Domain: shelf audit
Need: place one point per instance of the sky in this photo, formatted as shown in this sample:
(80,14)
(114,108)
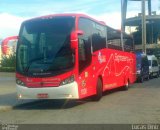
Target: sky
(14,12)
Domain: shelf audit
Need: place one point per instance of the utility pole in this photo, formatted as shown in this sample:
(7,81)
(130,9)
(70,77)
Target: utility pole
(143,27)
(122,28)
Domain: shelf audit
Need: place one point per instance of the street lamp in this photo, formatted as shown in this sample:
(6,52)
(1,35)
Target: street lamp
(143,27)
(122,28)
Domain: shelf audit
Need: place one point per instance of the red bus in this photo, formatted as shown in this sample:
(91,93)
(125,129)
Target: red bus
(9,45)
(71,56)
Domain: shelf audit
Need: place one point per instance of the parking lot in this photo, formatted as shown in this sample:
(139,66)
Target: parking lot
(140,104)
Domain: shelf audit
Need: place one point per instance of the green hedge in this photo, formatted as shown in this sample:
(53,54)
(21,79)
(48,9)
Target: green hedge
(7,69)
(8,63)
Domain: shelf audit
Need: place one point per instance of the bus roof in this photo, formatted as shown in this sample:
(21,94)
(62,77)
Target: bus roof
(68,14)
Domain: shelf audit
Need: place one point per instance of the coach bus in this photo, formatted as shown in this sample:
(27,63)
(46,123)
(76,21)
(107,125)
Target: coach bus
(8,45)
(71,56)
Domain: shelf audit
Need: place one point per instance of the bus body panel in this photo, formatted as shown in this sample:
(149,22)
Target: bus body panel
(113,66)
(42,82)
(69,91)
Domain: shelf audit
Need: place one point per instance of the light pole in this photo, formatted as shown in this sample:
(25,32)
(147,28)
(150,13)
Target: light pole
(122,28)
(143,27)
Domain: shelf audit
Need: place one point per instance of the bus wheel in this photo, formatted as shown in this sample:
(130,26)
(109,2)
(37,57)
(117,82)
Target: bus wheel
(99,89)
(126,86)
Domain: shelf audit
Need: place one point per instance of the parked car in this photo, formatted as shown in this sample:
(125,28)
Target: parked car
(142,67)
(153,66)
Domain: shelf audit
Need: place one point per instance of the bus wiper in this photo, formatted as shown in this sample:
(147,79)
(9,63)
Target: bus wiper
(30,63)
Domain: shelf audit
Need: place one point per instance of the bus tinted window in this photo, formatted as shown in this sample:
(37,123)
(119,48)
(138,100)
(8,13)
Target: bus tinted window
(98,37)
(113,39)
(85,42)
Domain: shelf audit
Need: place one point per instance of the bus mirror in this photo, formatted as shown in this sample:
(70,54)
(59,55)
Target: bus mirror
(79,32)
(74,38)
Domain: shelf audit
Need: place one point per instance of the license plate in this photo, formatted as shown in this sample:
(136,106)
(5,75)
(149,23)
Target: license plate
(42,95)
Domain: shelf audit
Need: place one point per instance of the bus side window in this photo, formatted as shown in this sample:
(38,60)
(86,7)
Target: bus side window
(81,47)
(98,37)
(113,39)
(85,43)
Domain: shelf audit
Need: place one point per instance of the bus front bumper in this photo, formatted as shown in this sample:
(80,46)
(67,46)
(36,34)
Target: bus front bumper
(68,91)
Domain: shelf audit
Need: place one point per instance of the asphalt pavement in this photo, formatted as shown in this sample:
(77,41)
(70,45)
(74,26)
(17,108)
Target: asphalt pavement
(8,97)
(140,104)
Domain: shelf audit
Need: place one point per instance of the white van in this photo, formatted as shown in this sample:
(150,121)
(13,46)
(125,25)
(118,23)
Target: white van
(153,66)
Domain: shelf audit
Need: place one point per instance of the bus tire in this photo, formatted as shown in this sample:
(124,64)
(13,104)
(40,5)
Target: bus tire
(99,88)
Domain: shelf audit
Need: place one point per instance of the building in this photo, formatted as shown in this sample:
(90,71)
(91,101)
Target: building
(134,27)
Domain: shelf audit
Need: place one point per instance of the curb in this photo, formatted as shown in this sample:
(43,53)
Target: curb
(5,108)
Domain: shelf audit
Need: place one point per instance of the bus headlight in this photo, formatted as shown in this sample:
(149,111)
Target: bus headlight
(68,80)
(19,82)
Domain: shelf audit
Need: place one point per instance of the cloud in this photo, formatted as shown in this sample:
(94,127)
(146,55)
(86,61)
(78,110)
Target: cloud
(38,7)
(9,24)
(111,19)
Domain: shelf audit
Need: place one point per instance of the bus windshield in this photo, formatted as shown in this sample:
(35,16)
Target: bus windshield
(44,46)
